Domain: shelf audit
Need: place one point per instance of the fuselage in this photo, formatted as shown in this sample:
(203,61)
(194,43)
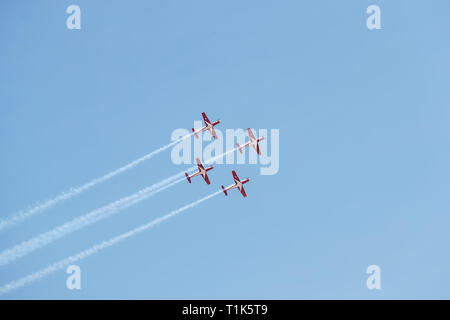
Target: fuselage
(237,184)
(208,126)
(199,172)
(252,142)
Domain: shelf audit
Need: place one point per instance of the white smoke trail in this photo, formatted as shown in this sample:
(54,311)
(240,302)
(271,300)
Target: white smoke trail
(9,255)
(26,247)
(211,160)
(96,248)
(21,216)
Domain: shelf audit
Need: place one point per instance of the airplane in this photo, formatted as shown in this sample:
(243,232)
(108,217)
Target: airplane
(201,171)
(208,126)
(253,142)
(237,184)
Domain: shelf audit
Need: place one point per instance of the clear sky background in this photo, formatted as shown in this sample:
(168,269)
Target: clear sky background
(364,145)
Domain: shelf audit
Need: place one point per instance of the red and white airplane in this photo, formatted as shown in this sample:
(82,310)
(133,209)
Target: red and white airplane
(201,171)
(208,126)
(237,184)
(253,142)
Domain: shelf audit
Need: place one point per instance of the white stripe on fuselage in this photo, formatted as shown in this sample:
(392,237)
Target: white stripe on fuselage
(201,172)
(252,142)
(208,126)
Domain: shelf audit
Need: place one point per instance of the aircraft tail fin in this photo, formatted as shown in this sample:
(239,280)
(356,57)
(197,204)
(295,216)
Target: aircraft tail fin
(224,190)
(239,147)
(195,133)
(187,177)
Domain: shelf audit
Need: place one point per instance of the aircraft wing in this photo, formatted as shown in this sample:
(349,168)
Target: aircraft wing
(243,191)
(205,118)
(206,178)
(257,149)
(199,164)
(235,176)
(250,134)
(213,133)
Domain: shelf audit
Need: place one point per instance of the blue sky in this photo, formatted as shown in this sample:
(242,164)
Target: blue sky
(363,118)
